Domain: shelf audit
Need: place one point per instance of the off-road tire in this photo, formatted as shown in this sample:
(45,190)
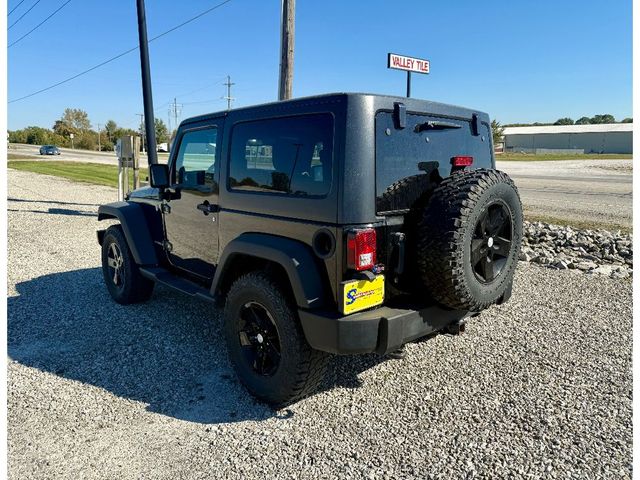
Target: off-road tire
(445,233)
(301,369)
(405,191)
(134,288)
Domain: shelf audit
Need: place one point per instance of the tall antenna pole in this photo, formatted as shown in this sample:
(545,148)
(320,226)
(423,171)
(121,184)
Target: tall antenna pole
(229,98)
(287,35)
(152,155)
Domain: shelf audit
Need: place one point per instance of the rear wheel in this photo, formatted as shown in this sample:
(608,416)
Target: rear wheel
(121,273)
(469,239)
(266,344)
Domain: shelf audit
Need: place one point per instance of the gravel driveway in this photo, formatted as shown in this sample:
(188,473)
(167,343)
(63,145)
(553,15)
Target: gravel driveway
(538,388)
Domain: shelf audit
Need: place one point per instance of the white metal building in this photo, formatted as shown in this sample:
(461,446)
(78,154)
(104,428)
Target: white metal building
(598,138)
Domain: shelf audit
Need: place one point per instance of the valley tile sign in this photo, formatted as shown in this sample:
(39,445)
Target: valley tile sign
(409,64)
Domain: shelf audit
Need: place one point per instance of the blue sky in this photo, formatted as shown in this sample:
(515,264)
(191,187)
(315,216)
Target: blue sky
(520,61)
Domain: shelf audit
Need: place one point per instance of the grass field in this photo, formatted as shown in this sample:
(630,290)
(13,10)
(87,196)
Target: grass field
(81,172)
(529,157)
(17,156)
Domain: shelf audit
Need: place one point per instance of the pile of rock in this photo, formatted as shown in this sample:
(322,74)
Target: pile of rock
(598,252)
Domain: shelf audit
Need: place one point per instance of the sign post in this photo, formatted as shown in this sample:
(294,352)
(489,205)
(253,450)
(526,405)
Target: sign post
(408,64)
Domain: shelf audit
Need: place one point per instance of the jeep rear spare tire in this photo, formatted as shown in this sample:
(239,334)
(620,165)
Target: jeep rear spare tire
(469,239)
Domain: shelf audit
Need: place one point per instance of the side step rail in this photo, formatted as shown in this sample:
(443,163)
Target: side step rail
(182,285)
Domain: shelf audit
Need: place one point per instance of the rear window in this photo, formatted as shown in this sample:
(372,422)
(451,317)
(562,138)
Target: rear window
(399,153)
(290,155)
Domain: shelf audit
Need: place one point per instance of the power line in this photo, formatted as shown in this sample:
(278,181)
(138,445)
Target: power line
(22,16)
(12,10)
(34,28)
(120,54)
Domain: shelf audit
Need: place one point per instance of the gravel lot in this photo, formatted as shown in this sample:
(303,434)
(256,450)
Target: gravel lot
(538,388)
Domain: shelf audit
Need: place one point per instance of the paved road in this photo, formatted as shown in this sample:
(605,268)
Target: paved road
(594,191)
(537,388)
(74,155)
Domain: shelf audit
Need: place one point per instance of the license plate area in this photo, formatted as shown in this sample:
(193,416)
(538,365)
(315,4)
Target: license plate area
(359,295)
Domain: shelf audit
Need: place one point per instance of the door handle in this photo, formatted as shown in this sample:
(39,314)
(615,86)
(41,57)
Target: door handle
(207,208)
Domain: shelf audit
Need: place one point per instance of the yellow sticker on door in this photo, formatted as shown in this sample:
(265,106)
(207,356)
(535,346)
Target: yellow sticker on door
(362,294)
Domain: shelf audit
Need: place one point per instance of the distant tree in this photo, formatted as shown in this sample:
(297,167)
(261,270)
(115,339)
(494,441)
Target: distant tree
(604,118)
(583,121)
(32,135)
(87,140)
(121,132)
(564,121)
(162,133)
(18,136)
(63,128)
(111,127)
(627,120)
(76,118)
(497,130)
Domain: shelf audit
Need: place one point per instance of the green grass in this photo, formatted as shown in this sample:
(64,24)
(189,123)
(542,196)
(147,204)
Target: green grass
(17,156)
(530,157)
(94,173)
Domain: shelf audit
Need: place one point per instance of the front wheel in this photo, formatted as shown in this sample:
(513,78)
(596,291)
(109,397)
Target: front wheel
(266,344)
(121,273)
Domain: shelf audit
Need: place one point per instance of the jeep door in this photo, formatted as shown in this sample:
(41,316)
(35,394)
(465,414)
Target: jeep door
(191,224)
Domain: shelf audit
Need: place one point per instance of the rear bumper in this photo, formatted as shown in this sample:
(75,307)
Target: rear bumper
(381,330)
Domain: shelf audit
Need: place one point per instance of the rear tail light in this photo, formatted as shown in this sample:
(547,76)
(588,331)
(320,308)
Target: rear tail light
(361,249)
(461,161)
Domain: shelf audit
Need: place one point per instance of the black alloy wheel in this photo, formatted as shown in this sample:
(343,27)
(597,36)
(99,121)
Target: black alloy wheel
(258,337)
(491,242)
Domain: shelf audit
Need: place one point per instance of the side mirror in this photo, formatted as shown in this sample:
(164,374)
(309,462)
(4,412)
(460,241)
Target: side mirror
(159,176)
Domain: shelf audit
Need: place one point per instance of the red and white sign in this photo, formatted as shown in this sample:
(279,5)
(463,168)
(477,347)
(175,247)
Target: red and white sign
(410,64)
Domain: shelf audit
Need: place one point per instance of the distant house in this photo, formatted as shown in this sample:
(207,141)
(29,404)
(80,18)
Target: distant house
(598,138)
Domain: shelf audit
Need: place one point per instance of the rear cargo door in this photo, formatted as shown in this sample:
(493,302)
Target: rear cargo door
(424,146)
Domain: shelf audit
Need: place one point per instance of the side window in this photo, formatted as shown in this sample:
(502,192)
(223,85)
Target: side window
(290,155)
(196,160)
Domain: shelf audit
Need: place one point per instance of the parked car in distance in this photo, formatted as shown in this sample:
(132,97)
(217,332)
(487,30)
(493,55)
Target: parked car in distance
(49,150)
(163,147)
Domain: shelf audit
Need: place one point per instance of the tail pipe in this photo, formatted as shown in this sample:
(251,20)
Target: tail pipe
(149,122)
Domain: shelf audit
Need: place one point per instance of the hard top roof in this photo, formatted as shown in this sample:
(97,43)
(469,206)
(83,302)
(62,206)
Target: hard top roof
(413,104)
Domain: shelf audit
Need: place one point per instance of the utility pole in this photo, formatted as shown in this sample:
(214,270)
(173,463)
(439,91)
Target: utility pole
(176,109)
(99,146)
(228,98)
(141,129)
(287,36)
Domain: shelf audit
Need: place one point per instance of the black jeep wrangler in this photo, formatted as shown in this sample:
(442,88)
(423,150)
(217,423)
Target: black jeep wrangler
(336,224)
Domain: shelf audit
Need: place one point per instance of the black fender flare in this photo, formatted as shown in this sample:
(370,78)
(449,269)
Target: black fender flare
(135,228)
(296,258)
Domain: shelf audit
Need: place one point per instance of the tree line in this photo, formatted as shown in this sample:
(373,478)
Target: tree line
(596,119)
(76,122)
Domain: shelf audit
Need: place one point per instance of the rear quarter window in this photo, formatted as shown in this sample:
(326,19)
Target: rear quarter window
(291,156)
(399,152)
